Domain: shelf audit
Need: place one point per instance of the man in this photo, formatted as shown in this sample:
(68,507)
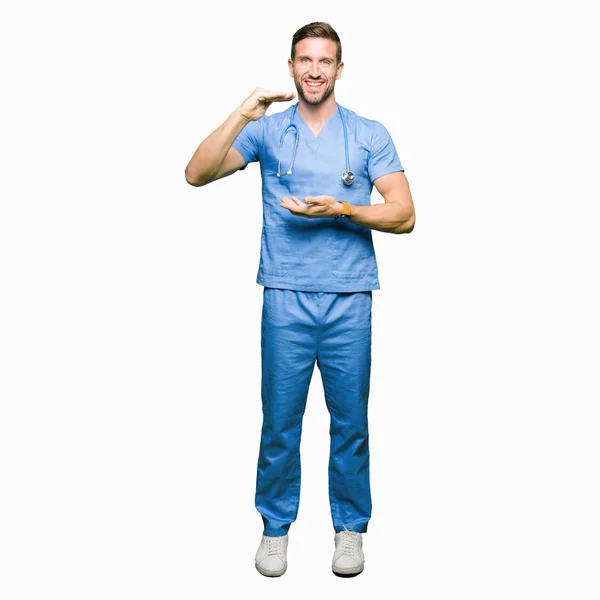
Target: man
(318,269)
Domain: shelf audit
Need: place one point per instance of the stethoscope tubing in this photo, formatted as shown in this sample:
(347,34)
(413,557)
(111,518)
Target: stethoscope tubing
(291,125)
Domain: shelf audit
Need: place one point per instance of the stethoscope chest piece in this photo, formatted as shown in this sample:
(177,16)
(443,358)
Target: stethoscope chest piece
(348,177)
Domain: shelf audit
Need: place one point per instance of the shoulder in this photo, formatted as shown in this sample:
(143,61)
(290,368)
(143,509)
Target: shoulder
(369,128)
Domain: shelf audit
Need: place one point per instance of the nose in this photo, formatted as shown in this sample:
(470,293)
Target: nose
(314,70)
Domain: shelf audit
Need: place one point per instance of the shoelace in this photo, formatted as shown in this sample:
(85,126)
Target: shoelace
(274,545)
(349,541)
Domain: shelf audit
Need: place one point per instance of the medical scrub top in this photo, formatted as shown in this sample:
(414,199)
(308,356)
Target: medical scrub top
(322,254)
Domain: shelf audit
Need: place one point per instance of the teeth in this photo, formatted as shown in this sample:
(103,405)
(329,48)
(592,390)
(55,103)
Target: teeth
(314,84)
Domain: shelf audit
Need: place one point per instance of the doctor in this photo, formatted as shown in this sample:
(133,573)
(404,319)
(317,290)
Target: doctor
(319,162)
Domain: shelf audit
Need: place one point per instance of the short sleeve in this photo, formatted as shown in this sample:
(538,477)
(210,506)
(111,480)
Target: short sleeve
(383,158)
(249,140)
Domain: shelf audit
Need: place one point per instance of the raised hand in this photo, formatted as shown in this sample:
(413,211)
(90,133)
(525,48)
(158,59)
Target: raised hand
(256,104)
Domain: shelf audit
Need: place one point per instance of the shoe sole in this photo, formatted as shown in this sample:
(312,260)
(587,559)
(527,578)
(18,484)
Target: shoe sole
(270,573)
(348,571)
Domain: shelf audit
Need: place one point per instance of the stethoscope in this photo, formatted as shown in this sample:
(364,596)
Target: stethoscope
(347,175)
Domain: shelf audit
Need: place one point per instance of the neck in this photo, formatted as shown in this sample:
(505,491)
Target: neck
(316,115)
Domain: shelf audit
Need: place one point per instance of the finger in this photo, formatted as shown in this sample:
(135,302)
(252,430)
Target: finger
(284,97)
(296,200)
(290,205)
(276,96)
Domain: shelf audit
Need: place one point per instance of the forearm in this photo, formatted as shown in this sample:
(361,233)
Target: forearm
(389,217)
(211,153)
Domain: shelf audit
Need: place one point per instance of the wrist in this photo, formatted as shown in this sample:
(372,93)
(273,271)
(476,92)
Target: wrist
(241,116)
(344,210)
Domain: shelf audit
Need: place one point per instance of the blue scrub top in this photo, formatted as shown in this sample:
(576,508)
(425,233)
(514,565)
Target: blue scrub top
(322,254)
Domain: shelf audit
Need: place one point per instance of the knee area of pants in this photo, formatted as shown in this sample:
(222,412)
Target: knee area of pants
(282,425)
(351,425)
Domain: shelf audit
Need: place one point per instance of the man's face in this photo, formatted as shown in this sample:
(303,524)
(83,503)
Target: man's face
(315,62)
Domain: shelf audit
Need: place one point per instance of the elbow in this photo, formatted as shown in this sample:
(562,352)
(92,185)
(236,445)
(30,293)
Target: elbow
(189,178)
(406,226)
(193,180)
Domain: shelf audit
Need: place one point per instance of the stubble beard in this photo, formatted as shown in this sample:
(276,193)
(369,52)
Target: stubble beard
(314,99)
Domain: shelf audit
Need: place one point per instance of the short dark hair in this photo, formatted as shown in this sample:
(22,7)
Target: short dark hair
(317,29)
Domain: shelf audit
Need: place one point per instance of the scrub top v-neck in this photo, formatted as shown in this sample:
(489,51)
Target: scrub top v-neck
(322,254)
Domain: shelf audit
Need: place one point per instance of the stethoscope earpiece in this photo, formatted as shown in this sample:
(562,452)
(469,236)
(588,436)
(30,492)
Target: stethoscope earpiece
(347,175)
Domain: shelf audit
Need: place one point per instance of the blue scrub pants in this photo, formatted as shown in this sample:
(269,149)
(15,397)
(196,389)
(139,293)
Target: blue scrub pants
(333,329)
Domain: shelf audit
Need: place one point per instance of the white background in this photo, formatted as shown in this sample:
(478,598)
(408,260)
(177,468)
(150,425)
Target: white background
(130,320)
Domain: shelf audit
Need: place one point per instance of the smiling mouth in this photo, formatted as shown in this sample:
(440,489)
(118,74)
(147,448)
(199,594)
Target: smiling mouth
(315,85)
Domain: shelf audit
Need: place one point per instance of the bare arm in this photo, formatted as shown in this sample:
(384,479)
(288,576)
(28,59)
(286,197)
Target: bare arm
(215,158)
(397,215)
(216,152)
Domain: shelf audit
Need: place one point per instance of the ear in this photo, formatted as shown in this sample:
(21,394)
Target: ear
(340,68)
(291,67)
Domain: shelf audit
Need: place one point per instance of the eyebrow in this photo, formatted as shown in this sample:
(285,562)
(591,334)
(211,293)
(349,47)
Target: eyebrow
(322,57)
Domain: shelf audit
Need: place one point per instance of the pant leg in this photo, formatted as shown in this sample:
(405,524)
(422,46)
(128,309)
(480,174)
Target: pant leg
(344,360)
(288,349)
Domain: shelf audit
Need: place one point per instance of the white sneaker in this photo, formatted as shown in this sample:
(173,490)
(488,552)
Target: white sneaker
(348,558)
(271,556)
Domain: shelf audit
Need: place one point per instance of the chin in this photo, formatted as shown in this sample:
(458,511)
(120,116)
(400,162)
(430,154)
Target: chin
(314,100)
